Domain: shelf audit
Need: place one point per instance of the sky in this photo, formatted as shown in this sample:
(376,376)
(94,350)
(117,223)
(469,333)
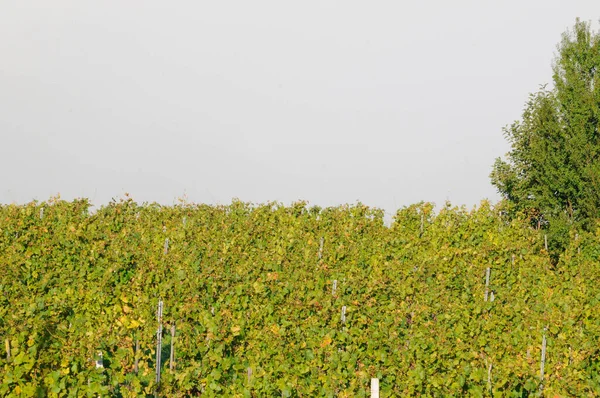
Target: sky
(387,103)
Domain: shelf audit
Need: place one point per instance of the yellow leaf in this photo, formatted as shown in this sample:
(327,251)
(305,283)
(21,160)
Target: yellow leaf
(133,324)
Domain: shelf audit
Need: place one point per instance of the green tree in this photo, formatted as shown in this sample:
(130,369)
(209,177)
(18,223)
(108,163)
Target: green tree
(552,172)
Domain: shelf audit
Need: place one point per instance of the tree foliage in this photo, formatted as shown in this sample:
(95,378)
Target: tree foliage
(553,168)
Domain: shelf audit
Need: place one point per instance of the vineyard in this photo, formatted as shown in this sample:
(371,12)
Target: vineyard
(293,301)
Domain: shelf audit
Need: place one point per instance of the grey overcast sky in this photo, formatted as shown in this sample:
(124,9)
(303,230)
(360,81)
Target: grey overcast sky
(383,102)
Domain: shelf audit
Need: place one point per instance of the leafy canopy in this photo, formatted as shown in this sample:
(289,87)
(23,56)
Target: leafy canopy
(552,172)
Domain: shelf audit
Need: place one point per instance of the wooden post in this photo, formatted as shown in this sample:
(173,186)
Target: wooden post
(489,378)
(7,345)
(344,314)
(374,388)
(546,242)
(99,361)
(136,355)
(543,360)
(334,288)
(166,245)
(321,248)
(422,223)
(249,375)
(159,314)
(172,358)
(41,213)
(487,283)
(570,355)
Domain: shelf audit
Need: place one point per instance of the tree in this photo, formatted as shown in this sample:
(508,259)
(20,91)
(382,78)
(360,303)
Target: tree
(552,171)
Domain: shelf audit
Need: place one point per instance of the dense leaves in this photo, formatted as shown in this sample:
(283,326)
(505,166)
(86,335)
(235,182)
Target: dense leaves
(553,168)
(250,290)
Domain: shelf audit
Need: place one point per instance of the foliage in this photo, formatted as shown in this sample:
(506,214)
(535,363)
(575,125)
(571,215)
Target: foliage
(553,168)
(248,287)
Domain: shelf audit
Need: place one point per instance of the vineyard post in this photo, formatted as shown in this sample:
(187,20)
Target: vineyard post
(7,344)
(334,288)
(159,314)
(344,314)
(374,388)
(546,242)
(99,361)
(422,222)
(41,213)
(249,374)
(136,355)
(487,283)
(321,248)
(543,360)
(489,378)
(184,220)
(570,355)
(166,245)
(172,357)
